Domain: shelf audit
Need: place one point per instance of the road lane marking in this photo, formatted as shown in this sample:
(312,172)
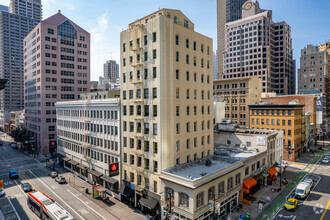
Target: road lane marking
(28,181)
(56,194)
(20,189)
(14,208)
(326,209)
(87,205)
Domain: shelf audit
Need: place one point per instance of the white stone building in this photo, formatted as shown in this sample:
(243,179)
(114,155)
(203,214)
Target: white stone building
(89,138)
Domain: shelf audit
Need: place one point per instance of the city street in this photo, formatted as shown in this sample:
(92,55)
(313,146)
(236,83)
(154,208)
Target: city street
(315,206)
(34,172)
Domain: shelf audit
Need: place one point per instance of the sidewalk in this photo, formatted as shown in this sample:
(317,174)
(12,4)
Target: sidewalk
(114,207)
(273,200)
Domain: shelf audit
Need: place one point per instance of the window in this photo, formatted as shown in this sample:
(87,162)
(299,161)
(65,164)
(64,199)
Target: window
(155,130)
(154,54)
(183,200)
(211,193)
(177,56)
(145,39)
(176,39)
(289,132)
(186,24)
(199,199)
(247,171)
(221,187)
(187,43)
(154,72)
(154,36)
(237,179)
(155,186)
(289,122)
(283,122)
(230,183)
(154,92)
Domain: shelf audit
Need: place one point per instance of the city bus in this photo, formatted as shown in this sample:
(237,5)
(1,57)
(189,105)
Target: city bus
(46,208)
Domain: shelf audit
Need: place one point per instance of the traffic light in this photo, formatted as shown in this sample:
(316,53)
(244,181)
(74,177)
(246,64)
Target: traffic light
(113,169)
(52,147)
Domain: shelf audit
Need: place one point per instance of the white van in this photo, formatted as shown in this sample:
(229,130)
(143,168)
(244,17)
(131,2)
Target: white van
(302,190)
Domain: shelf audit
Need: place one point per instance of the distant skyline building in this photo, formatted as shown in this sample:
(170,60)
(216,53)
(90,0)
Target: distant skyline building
(100,80)
(110,71)
(60,71)
(227,11)
(257,46)
(215,65)
(15,23)
(27,8)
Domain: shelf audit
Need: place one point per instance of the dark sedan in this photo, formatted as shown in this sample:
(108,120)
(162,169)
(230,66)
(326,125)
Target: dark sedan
(26,187)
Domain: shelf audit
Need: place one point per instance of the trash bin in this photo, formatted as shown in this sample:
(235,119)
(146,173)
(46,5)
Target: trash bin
(86,190)
(247,216)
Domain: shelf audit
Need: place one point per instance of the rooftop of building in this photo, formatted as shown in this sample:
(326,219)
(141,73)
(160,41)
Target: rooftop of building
(270,105)
(211,166)
(59,18)
(79,103)
(247,131)
(234,80)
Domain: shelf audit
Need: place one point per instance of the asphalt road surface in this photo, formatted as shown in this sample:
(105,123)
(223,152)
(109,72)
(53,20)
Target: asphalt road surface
(316,205)
(34,172)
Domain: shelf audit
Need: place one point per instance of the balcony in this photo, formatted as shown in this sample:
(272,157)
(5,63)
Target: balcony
(137,63)
(136,81)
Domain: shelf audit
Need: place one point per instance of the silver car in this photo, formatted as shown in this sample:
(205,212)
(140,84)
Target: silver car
(325,160)
(60,179)
(53,174)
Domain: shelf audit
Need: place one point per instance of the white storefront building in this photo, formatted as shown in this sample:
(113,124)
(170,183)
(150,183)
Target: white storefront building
(88,139)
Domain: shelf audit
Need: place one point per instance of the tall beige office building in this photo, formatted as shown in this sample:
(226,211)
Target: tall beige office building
(257,46)
(166,82)
(227,11)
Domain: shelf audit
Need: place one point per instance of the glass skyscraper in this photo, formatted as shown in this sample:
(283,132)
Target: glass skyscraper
(15,24)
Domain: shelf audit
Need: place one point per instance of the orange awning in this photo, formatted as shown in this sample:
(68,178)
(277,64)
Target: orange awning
(249,183)
(272,171)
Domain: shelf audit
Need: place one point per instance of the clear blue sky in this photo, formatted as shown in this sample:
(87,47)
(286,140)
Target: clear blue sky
(105,19)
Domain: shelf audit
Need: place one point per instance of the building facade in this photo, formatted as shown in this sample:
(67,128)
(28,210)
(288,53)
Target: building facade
(110,71)
(167,102)
(88,138)
(257,46)
(288,118)
(309,102)
(27,8)
(227,11)
(15,25)
(57,68)
(238,95)
(314,78)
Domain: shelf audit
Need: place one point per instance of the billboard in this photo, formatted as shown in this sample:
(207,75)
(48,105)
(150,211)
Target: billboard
(319,103)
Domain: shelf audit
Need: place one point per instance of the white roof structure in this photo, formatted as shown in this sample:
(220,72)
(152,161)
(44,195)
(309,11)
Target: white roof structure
(57,212)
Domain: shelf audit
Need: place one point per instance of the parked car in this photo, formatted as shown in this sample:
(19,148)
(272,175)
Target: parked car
(60,179)
(26,187)
(2,192)
(13,174)
(53,174)
(302,190)
(14,146)
(325,160)
(291,204)
(309,181)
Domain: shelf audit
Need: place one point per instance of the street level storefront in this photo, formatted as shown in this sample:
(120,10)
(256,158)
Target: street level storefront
(110,183)
(126,192)
(83,171)
(66,162)
(149,204)
(94,177)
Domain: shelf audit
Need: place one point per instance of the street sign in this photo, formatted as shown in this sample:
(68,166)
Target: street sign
(265,173)
(113,169)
